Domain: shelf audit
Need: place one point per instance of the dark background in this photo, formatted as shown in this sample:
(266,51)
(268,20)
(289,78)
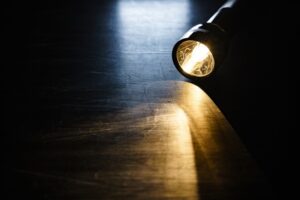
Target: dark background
(250,87)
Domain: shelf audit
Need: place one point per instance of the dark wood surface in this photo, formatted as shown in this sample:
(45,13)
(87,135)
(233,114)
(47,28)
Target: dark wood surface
(168,140)
(102,112)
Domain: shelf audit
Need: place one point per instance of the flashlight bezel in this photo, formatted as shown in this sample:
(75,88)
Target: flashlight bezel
(213,37)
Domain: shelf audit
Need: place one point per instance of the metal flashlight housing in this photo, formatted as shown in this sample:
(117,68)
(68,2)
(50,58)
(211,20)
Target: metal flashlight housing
(202,49)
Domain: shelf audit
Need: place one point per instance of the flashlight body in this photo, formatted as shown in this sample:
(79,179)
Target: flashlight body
(227,16)
(215,34)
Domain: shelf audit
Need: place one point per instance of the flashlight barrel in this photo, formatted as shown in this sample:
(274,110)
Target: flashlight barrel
(215,34)
(227,16)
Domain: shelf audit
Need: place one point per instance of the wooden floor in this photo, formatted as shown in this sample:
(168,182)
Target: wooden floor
(105,114)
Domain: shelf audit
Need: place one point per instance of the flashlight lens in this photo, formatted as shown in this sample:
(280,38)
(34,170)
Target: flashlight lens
(195,58)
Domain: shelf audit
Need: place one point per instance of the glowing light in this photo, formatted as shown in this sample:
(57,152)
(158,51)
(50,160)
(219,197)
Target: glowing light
(195,58)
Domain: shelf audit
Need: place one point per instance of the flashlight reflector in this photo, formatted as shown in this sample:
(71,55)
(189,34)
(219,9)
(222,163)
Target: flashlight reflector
(195,58)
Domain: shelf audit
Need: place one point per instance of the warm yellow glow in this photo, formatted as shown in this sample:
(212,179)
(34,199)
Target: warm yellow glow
(195,58)
(173,143)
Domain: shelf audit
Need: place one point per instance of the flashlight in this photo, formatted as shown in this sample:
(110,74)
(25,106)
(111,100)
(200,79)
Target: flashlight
(202,49)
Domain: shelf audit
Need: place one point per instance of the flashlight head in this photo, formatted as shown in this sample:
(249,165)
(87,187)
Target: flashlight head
(200,51)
